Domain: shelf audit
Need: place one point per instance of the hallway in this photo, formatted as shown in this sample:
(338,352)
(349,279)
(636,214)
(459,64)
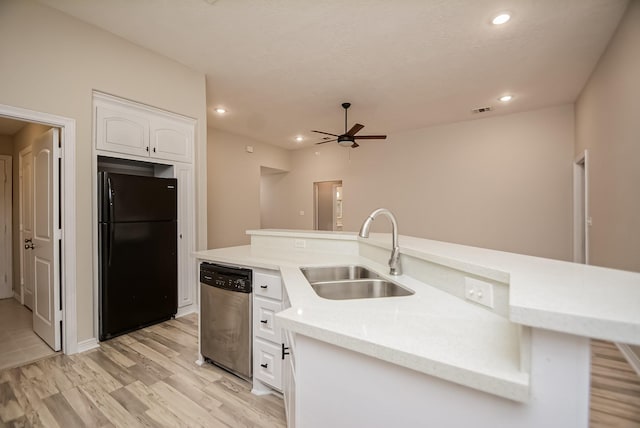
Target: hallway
(18,343)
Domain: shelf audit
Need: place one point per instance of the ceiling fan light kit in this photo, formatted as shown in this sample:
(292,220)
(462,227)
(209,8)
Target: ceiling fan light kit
(348,139)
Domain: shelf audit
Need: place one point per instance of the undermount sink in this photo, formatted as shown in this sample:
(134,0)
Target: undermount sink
(337,273)
(351,282)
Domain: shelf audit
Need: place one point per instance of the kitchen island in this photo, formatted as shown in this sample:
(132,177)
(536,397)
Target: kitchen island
(435,357)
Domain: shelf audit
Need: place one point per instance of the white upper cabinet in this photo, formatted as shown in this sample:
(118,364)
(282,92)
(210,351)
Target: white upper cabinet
(122,130)
(171,139)
(134,129)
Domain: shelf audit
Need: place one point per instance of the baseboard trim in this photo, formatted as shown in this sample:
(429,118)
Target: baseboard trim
(186,310)
(632,358)
(87,345)
(17,296)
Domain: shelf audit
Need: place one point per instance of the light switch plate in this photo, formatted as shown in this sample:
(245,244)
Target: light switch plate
(478,291)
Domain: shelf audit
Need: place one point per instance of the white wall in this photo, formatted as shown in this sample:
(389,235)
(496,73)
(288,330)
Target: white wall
(608,126)
(233,193)
(501,182)
(51,62)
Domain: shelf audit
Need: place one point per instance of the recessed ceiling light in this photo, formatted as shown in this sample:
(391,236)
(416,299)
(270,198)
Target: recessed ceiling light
(505,98)
(501,19)
(221,110)
(299,138)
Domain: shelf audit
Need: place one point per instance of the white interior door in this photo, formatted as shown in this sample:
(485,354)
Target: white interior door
(26,225)
(47,315)
(6,287)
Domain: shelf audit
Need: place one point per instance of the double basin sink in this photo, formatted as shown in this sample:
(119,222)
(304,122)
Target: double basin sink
(351,282)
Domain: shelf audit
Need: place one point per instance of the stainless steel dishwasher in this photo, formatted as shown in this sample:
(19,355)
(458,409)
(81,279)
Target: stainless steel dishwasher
(225,299)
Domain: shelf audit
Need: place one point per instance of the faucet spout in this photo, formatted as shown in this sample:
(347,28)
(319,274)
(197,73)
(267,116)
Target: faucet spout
(394,261)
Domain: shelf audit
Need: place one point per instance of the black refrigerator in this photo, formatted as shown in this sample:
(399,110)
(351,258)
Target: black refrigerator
(138,272)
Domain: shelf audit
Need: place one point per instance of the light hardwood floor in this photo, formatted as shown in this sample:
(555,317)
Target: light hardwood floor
(615,388)
(147,378)
(18,343)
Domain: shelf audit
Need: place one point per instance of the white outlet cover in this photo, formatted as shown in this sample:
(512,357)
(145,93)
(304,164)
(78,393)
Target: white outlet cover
(478,291)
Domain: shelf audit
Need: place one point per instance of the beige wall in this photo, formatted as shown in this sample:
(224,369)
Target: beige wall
(23,139)
(233,191)
(51,62)
(500,182)
(608,126)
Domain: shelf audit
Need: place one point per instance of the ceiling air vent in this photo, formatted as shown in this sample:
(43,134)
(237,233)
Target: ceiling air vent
(482,109)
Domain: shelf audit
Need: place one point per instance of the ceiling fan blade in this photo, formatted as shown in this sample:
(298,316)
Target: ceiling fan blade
(328,141)
(354,145)
(370,137)
(326,133)
(354,129)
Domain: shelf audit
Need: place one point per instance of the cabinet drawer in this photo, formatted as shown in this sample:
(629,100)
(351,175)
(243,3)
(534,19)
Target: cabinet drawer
(267,285)
(267,363)
(264,317)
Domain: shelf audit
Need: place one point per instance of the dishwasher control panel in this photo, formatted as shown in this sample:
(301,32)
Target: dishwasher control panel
(226,277)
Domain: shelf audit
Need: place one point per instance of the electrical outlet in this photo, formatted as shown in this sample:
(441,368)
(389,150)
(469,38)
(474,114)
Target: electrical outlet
(300,243)
(478,291)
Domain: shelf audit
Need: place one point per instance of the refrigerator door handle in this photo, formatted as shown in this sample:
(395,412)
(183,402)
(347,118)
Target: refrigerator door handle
(110,198)
(110,242)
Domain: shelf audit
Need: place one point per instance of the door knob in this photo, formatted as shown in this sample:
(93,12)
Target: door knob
(28,240)
(29,246)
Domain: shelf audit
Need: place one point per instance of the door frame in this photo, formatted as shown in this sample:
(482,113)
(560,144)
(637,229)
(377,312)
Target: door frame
(581,219)
(336,182)
(9,218)
(68,215)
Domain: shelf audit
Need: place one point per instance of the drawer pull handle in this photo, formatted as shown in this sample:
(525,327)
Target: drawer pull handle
(285,351)
(264,365)
(263,286)
(264,321)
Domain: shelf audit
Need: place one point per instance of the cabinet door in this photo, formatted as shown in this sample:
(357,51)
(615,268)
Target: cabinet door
(289,381)
(172,139)
(121,130)
(186,236)
(267,363)
(264,317)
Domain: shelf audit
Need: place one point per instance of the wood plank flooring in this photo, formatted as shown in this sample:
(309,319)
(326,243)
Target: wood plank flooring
(18,343)
(147,378)
(615,388)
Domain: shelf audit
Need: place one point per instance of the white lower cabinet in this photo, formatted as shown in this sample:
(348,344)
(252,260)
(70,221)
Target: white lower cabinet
(289,379)
(267,337)
(267,363)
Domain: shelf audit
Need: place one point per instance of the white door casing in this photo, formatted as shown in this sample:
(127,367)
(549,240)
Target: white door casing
(25,172)
(6,283)
(46,235)
(68,212)
(581,217)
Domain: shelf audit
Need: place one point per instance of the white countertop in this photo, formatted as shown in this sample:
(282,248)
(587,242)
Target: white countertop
(439,334)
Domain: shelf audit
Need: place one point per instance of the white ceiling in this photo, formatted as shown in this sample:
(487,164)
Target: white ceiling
(283,67)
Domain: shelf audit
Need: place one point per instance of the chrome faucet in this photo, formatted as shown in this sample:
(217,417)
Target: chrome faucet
(394,261)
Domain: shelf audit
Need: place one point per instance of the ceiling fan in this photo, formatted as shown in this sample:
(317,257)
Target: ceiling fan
(348,139)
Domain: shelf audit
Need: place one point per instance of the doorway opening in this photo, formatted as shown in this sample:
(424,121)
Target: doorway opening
(327,212)
(41,295)
(581,219)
